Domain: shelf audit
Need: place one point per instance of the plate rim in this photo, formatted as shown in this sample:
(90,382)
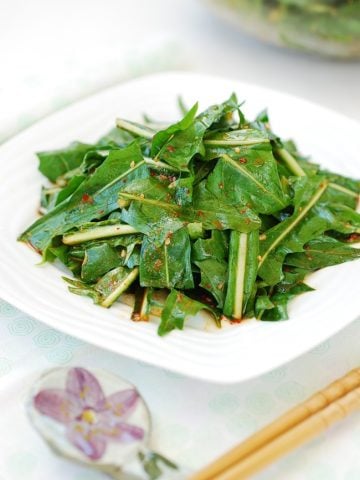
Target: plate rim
(224,379)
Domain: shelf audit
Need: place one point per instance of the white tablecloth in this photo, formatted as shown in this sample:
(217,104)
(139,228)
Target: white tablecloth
(52,53)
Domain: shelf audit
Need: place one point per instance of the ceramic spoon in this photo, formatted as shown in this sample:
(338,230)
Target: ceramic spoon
(99,420)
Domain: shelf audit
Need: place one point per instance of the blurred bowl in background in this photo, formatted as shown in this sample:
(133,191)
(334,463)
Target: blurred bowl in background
(326,27)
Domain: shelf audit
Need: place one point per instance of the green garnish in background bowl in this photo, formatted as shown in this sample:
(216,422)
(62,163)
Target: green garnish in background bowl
(327,27)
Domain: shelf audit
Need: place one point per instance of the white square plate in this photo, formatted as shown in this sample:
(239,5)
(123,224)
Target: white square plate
(234,353)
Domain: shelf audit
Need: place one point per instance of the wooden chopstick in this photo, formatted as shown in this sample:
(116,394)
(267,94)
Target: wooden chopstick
(292,438)
(285,423)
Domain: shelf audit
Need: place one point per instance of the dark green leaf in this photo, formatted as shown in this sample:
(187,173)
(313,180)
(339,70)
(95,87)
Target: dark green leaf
(214,247)
(163,136)
(248,178)
(99,260)
(322,252)
(214,278)
(281,296)
(96,197)
(293,232)
(184,144)
(215,213)
(177,307)
(54,163)
(153,209)
(167,265)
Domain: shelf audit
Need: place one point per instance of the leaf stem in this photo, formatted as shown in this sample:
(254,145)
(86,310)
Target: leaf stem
(240,276)
(295,168)
(290,162)
(236,143)
(98,232)
(345,190)
(141,306)
(149,201)
(135,129)
(167,277)
(293,224)
(124,285)
(157,164)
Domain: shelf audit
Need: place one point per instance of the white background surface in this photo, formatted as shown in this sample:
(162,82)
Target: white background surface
(54,52)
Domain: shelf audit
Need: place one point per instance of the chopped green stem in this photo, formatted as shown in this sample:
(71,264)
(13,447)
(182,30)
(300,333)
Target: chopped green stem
(167,276)
(51,190)
(290,162)
(240,276)
(141,306)
(123,203)
(135,129)
(296,220)
(98,232)
(236,143)
(236,275)
(157,164)
(124,285)
(345,190)
(295,168)
(149,201)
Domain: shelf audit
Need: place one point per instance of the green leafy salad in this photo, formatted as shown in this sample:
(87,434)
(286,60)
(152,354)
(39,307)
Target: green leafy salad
(214,212)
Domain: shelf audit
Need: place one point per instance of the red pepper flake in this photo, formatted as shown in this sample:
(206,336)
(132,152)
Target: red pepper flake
(242,160)
(86,198)
(158,264)
(179,296)
(218,225)
(354,237)
(235,320)
(170,148)
(259,162)
(200,213)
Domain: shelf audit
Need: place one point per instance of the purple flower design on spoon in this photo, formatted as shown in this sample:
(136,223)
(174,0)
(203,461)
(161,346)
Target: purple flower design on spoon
(91,419)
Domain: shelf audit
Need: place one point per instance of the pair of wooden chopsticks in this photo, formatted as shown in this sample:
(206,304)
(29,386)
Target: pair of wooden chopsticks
(295,427)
